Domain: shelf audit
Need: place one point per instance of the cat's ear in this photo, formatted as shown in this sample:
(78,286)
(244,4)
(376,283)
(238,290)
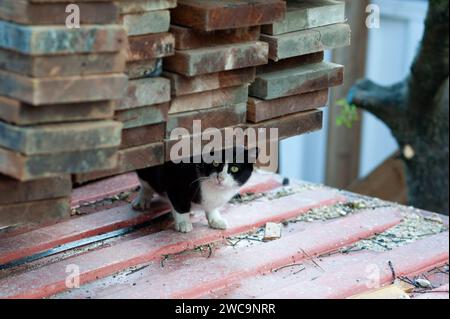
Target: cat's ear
(252,154)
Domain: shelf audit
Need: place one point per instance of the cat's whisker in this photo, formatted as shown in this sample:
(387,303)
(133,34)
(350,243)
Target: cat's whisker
(199,180)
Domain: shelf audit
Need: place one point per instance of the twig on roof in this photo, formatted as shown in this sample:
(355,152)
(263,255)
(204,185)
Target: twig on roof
(312,259)
(288,266)
(394,275)
(136,270)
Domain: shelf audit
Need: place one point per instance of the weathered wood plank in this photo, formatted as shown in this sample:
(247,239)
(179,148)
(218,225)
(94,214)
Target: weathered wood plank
(290,63)
(27,12)
(307,14)
(62,65)
(13,111)
(307,78)
(35,212)
(138,6)
(210,118)
(210,15)
(57,90)
(144,69)
(187,38)
(294,124)
(129,160)
(146,22)
(143,92)
(218,58)
(33,167)
(209,99)
(150,46)
(262,110)
(143,116)
(58,138)
(48,40)
(13,191)
(307,41)
(182,85)
(143,135)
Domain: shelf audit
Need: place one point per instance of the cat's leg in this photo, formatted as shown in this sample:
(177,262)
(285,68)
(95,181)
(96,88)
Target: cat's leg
(183,222)
(143,201)
(215,220)
(181,209)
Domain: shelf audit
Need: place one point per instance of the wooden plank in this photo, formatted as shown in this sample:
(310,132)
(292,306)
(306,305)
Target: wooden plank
(26,168)
(62,65)
(138,6)
(146,22)
(261,110)
(143,116)
(58,90)
(13,191)
(343,150)
(182,85)
(50,40)
(290,63)
(306,78)
(218,58)
(187,38)
(218,117)
(307,41)
(37,212)
(144,68)
(58,138)
(16,112)
(129,160)
(27,12)
(209,99)
(143,92)
(293,125)
(143,135)
(307,14)
(210,15)
(150,46)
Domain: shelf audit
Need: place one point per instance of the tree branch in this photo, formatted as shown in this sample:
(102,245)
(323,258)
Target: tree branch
(385,102)
(431,65)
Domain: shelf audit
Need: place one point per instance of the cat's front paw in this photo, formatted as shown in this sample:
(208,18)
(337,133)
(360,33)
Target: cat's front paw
(218,222)
(142,203)
(184,227)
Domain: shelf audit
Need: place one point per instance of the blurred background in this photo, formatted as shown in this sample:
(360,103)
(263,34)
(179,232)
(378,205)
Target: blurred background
(362,158)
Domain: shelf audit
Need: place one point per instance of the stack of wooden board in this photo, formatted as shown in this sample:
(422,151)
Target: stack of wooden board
(31,202)
(288,91)
(144,109)
(57,91)
(217,49)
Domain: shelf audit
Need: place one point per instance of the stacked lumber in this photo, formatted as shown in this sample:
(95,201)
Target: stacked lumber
(217,49)
(288,91)
(143,111)
(58,86)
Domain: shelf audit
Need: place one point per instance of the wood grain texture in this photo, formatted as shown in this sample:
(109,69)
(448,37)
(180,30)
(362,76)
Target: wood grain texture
(210,15)
(218,58)
(261,110)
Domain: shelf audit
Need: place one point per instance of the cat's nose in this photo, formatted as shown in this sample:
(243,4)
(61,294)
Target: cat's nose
(220,179)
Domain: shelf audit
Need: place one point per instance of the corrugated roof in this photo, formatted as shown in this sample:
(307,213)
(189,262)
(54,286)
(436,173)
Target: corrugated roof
(333,245)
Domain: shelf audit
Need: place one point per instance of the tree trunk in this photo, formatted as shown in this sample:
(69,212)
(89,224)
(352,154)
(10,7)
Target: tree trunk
(416,111)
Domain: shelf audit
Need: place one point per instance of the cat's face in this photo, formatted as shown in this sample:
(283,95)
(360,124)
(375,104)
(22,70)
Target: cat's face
(229,172)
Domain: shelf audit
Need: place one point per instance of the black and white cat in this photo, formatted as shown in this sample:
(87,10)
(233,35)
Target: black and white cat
(190,186)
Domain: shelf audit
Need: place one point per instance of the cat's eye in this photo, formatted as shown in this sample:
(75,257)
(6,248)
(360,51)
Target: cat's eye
(215,164)
(234,169)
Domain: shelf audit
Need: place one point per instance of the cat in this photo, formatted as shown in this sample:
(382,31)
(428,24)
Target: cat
(190,186)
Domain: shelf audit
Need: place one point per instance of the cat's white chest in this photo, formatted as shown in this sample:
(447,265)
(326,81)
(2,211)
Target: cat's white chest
(215,197)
